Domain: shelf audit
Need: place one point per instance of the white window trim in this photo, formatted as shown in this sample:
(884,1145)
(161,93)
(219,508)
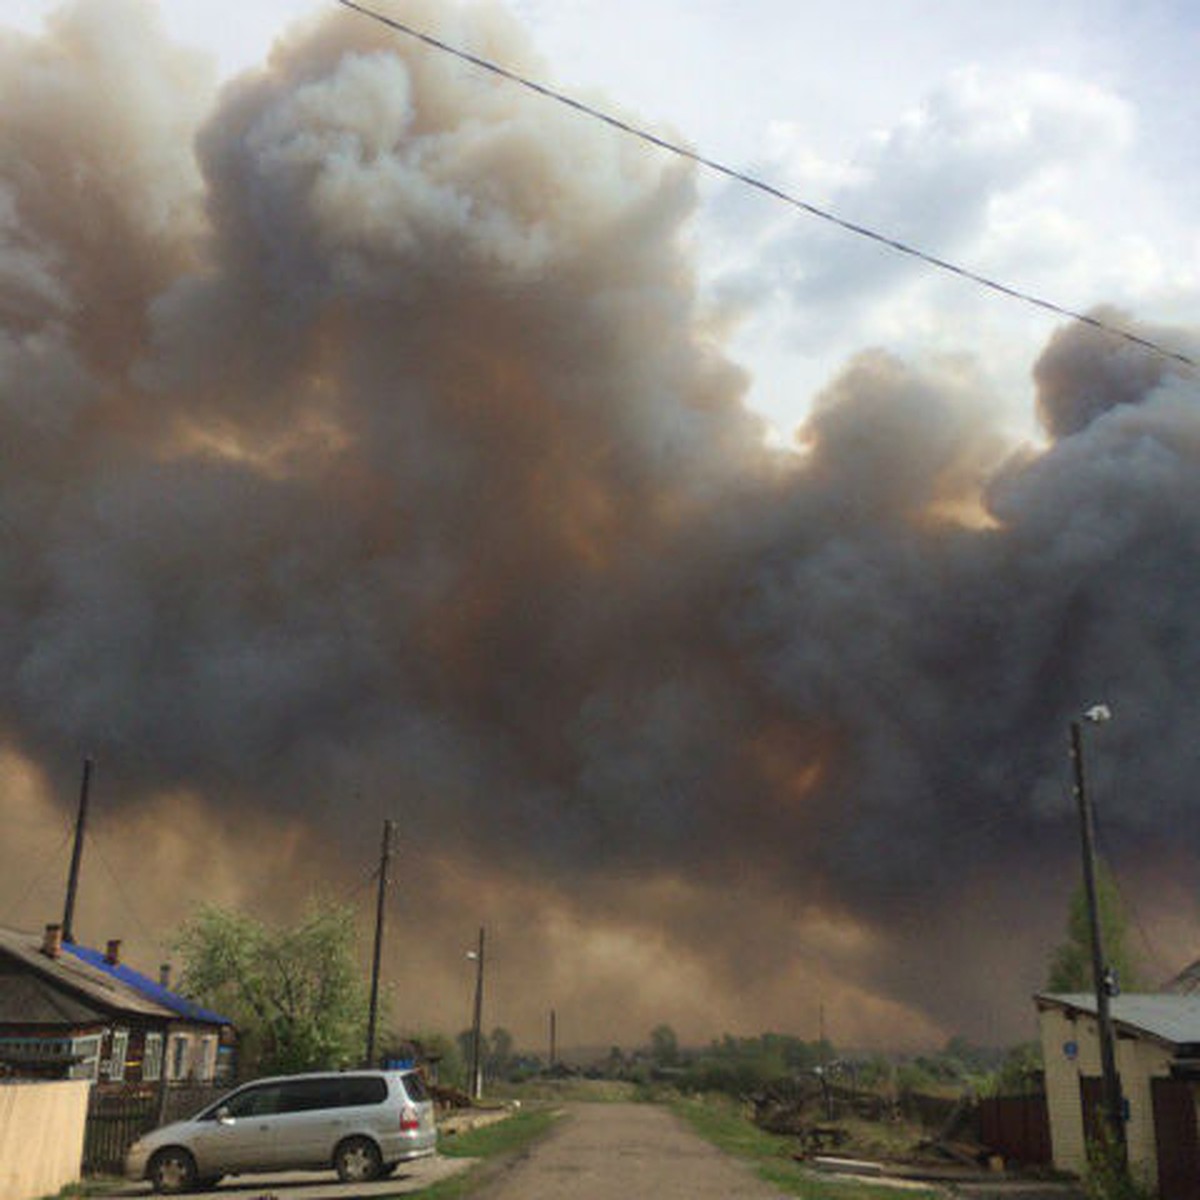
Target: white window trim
(152,1057)
(88,1048)
(117,1055)
(179,1056)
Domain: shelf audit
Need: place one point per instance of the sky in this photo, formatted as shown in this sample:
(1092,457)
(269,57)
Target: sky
(706,591)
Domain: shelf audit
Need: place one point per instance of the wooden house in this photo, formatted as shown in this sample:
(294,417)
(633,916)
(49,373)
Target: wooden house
(70,1012)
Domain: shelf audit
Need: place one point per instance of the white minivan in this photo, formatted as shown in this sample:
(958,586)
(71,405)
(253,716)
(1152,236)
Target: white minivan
(359,1123)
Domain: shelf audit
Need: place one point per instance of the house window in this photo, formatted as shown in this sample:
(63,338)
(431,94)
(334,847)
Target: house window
(208,1059)
(179,1057)
(87,1050)
(153,1057)
(116,1058)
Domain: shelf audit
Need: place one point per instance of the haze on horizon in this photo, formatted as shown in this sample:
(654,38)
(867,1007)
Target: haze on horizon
(369,447)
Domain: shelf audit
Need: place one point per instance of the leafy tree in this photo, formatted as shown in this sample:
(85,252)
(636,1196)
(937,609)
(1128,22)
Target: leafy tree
(664,1046)
(1071,962)
(500,1053)
(443,1054)
(466,1049)
(295,993)
(1019,1072)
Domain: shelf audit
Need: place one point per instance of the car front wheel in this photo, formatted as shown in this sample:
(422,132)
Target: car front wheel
(358,1161)
(172,1171)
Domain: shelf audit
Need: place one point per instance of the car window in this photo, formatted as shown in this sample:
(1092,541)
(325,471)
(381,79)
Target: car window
(303,1095)
(414,1085)
(363,1089)
(262,1101)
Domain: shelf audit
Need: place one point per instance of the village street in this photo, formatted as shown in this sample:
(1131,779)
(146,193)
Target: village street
(619,1151)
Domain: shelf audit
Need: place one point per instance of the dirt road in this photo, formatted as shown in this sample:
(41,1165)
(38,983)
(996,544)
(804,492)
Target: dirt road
(626,1152)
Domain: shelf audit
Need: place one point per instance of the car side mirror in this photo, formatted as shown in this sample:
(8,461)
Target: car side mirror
(224,1115)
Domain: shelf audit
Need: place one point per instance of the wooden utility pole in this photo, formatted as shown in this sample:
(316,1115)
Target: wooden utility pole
(553,1037)
(476,1086)
(1114,1115)
(385,862)
(68,921)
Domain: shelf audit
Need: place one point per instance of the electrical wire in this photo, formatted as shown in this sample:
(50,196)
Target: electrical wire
(37,877)
(1153,950)
(769,189)
(91,838)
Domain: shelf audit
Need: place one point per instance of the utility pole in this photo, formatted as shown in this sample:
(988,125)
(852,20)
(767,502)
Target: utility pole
(1114,1115)
(823,1069)
(68,921)
(385,861)
(477,1024)
(553,1037)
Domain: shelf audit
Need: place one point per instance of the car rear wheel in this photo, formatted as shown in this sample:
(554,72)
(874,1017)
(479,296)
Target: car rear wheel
(172,1171)
(357,1160)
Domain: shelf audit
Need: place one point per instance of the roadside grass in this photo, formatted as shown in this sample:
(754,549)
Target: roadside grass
(722,1123)
(87,1188)
(488,1144)
(571,1088)
(500,1137)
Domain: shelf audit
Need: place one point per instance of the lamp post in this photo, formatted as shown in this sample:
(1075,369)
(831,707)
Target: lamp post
(476,1084)
(1114,1116)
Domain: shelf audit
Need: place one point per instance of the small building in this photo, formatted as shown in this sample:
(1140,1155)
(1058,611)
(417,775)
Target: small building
(1157,1050)
(70,1012)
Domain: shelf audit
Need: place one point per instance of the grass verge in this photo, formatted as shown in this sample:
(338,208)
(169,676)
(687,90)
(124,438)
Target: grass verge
(722,1123)
(489,1144)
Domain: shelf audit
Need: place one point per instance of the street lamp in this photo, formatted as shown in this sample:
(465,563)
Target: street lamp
(476,1084)
(1114,1116)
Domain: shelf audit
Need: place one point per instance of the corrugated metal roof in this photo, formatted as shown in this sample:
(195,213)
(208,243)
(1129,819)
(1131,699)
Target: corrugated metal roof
(1170,1018)
(84,973)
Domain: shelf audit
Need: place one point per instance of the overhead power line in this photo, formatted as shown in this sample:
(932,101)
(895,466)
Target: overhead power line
(769,189)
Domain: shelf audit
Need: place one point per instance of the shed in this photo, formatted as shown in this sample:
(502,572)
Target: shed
(1157,1044)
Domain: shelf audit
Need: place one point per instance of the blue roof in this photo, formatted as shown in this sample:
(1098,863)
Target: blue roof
(148,987)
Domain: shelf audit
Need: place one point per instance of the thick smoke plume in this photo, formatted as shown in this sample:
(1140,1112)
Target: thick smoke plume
(365,451)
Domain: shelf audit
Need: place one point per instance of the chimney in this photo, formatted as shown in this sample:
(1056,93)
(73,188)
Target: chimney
(52,941)
(112,952)
(164,975)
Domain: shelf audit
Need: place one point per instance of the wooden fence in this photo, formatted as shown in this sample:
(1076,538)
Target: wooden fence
(117,1117)
(1017,1127)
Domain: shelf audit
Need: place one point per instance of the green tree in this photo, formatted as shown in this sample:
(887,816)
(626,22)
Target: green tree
(664,1046)
(295,993)
(466,1049)
(500,1053)
(1020,1071)
(1071,962)
(441,1052)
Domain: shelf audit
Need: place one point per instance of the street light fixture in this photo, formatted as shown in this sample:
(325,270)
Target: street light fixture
(1114,1116)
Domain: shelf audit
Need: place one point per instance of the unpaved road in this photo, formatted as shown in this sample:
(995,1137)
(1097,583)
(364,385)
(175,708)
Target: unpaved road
(625,1152)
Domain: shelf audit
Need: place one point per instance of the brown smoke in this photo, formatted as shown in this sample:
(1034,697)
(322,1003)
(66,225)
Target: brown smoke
(365,451)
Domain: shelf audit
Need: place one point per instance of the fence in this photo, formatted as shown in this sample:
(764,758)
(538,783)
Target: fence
(117,1117)
(41,1130)
(1018,1127)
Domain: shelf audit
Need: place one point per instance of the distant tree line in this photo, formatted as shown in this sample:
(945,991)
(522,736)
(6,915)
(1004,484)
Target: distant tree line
(298,998)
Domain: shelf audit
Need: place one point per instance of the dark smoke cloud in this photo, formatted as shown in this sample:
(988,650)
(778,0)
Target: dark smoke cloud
(364,451)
